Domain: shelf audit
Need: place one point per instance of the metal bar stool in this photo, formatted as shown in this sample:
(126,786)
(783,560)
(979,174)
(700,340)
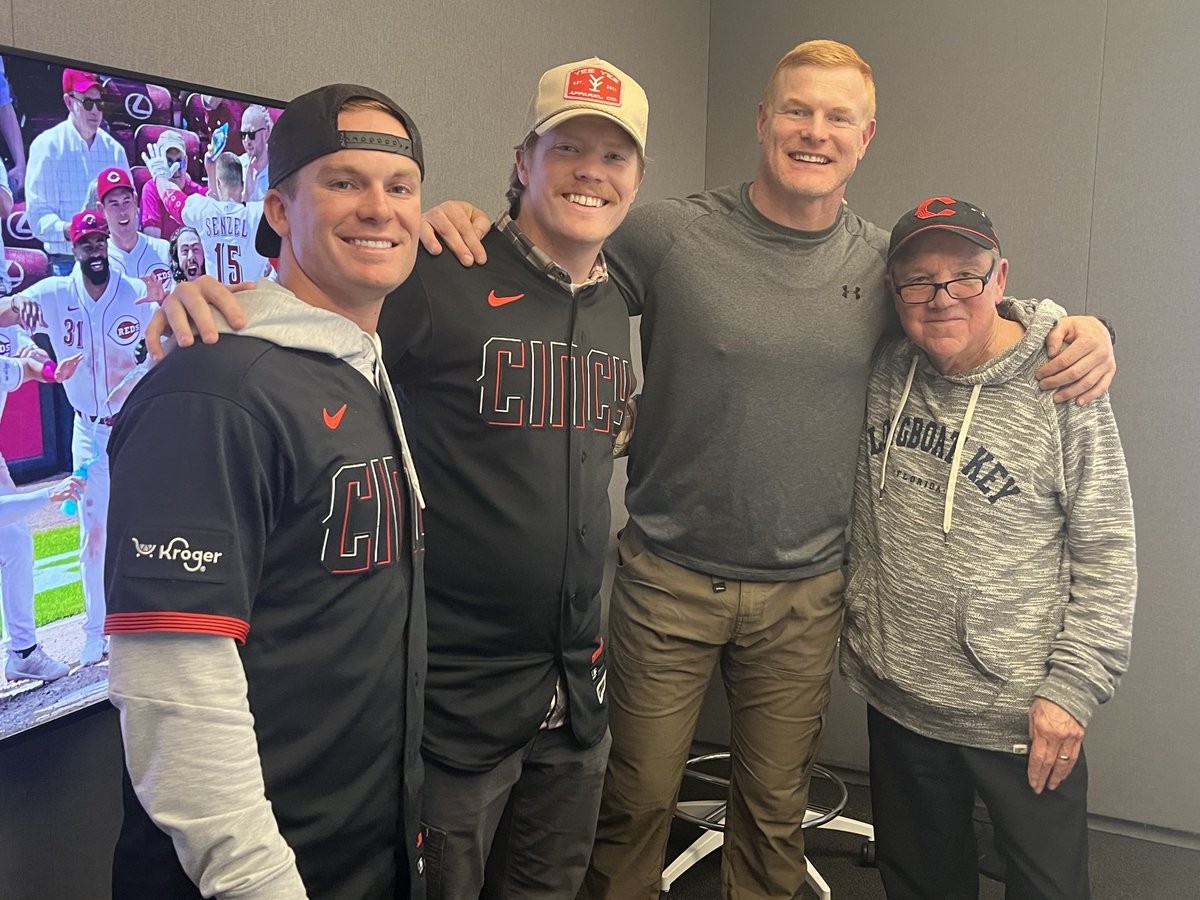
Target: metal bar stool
(710,815)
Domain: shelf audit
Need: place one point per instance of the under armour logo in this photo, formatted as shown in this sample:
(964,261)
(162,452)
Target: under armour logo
(857,291)
(139,106)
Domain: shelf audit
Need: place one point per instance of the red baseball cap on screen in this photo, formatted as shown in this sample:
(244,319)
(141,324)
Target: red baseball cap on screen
(110,180)
(85,223)
(78,80)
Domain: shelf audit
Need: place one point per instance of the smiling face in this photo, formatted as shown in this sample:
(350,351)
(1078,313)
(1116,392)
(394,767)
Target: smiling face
(121,213)
(91,251)
(580,179)
(957,335)
(812,136)
(350,222)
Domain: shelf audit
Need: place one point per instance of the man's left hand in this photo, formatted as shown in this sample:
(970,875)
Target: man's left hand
(1056,737)
(1082,364)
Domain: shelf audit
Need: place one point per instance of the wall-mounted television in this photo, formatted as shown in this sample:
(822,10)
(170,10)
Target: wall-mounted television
(73,138)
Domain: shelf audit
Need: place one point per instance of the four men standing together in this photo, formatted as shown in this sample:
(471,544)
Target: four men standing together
(514,379)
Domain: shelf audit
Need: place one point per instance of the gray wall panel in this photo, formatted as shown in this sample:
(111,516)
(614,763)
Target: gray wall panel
(1072,124)
(1142,272)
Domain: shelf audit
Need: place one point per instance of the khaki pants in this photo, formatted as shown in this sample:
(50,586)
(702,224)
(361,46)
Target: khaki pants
(669,628)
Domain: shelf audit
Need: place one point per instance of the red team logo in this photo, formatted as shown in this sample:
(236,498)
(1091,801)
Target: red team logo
(163,274)
(924,212)
(126,331)
(593,84)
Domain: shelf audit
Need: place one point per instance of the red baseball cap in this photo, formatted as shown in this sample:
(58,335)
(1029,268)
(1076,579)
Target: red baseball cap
(79,80)
(110,180)
(85,223)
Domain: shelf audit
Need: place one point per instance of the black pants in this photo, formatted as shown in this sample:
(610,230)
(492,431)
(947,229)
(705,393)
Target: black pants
(551,788)
(922,796)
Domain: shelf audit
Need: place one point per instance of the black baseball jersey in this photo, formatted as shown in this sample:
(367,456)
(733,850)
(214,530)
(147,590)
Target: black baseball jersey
(513,391)
(259,493)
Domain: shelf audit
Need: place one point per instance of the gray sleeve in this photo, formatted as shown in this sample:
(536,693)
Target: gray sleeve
(193,758)
(635,251)
(1089,655)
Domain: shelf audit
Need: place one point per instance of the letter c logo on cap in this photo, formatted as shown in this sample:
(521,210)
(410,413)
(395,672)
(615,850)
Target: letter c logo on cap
(924,212)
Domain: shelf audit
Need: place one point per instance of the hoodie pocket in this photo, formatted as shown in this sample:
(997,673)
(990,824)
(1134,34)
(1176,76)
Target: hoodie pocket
(978,625)
(922,644)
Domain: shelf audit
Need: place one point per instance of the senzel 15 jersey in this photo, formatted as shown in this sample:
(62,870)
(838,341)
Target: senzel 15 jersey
(106,331)
(227,229)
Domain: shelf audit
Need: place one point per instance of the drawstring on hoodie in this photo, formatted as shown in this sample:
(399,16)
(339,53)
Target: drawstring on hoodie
(948,510)
(384,384)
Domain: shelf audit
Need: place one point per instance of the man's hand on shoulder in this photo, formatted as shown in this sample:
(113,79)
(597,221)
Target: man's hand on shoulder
(462,227)
(187,311)
(1082,363)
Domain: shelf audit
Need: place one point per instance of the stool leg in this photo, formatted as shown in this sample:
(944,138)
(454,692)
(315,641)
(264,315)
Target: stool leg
(819,884)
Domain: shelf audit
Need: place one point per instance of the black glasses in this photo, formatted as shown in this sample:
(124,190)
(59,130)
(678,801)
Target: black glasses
(86,102)
(249,135)
(958,288)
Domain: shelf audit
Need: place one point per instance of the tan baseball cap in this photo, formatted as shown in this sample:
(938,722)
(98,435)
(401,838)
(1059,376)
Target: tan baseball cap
(590,87)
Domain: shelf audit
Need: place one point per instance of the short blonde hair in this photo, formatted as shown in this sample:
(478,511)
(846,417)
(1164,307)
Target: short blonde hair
(827,55)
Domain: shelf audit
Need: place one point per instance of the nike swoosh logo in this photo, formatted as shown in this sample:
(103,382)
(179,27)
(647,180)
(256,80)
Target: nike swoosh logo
(336,419)
(493,300)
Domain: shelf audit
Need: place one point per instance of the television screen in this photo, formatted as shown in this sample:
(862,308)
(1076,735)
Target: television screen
(173,175)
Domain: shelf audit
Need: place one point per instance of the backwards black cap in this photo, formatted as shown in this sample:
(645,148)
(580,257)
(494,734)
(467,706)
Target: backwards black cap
(307,129)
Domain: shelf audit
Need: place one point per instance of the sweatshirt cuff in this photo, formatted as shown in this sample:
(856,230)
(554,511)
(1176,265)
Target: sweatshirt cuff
(1071,695)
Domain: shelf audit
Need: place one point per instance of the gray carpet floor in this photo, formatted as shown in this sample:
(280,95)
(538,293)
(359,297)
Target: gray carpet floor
(1122,868)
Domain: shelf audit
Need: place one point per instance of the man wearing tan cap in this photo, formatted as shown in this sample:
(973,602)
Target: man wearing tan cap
(517,382)
(515,378)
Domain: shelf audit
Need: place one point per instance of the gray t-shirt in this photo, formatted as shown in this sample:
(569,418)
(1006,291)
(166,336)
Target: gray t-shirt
(757,342)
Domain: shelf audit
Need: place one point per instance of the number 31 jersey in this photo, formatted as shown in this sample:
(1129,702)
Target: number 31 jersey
(227,229)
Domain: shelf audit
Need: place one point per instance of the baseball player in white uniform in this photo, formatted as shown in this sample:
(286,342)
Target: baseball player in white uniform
(137,254)
(226,224)
(102,314)
(22,360)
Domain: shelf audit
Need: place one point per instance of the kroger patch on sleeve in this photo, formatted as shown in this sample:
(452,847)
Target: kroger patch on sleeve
(179,554)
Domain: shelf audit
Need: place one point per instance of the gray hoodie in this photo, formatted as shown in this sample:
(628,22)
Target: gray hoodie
(988,569)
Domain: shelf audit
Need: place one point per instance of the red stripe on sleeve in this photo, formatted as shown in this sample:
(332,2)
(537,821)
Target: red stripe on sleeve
(194,623)
(599,650)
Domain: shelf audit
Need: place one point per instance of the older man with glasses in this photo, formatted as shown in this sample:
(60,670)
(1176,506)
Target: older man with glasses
(63,164)
(992,575)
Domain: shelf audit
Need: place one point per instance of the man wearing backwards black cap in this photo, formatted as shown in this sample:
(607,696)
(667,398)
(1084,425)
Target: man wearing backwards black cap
(267,610)
(984,625)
